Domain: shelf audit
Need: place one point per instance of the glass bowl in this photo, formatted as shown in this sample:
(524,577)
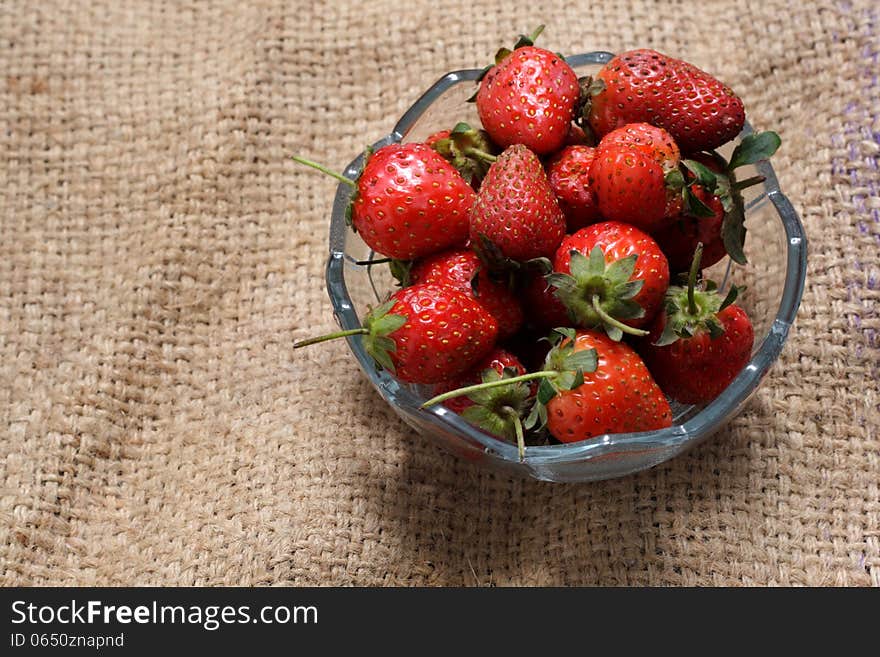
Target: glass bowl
(775,245)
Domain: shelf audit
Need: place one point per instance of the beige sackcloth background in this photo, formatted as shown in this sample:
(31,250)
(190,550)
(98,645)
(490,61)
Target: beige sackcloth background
(160,252)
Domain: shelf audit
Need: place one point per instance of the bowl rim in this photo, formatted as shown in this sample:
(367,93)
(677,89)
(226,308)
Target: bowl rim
(675,438)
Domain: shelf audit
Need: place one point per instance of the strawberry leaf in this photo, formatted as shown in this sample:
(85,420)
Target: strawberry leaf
(584,360)
(733,230)
(675,179)
(482,417)
(714,327)
(546,391)
(694,207)
(387,324)
(379,324)
(564,332)
(380,349)
(667,337)
(754,148)
(528,39)
(502,54)
(537,418)
(379,312)
(613,332)
(580,266)
(596,261)
(596,86)
(400,270)
(630,289)
(703,174)
(732,294)
(628,309)
(542,264)
(563,283)
(620,271)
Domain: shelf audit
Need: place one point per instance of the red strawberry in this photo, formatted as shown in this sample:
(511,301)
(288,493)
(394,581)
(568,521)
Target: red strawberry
(500,400)
(516,209)
(498,410)
(712,204)
(649,139)
(481,399)
(611,275)
(528,97)
(497,360)
(425,333)
(646,86)
(680,236)
(699,343)
(619,396)
(628,176)
(437,136)
(409,201)
(462,269)
(569,172)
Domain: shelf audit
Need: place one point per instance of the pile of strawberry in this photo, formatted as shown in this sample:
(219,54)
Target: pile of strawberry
(537,255)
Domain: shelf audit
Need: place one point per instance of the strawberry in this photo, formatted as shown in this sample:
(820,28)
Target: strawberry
(468,150)
(646,86)
(528,97)
(711,194)
(628,176)
(516,209)
(649,139)
(462,270)
(436,137)
(618,396)
(500,399)
(610,275)
(409,201)
(425,333)
(680,236)
(569,172)
(498,359)
(700,342)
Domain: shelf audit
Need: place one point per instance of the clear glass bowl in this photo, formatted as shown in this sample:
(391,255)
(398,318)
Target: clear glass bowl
(775,245)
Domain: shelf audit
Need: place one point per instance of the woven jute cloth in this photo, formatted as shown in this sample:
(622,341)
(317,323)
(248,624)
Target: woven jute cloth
(160,253)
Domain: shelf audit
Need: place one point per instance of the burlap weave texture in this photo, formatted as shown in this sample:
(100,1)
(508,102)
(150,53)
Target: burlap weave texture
(160,252)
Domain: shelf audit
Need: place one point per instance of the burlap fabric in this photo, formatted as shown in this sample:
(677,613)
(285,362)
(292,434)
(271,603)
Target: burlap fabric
(160,252)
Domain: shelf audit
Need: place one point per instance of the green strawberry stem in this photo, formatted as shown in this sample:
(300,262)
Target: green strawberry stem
(692,278)
(467,390)
(323,169)
(534,35)
(520,434)
(330,336)
(748,182)
(608,319)
(478,154)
